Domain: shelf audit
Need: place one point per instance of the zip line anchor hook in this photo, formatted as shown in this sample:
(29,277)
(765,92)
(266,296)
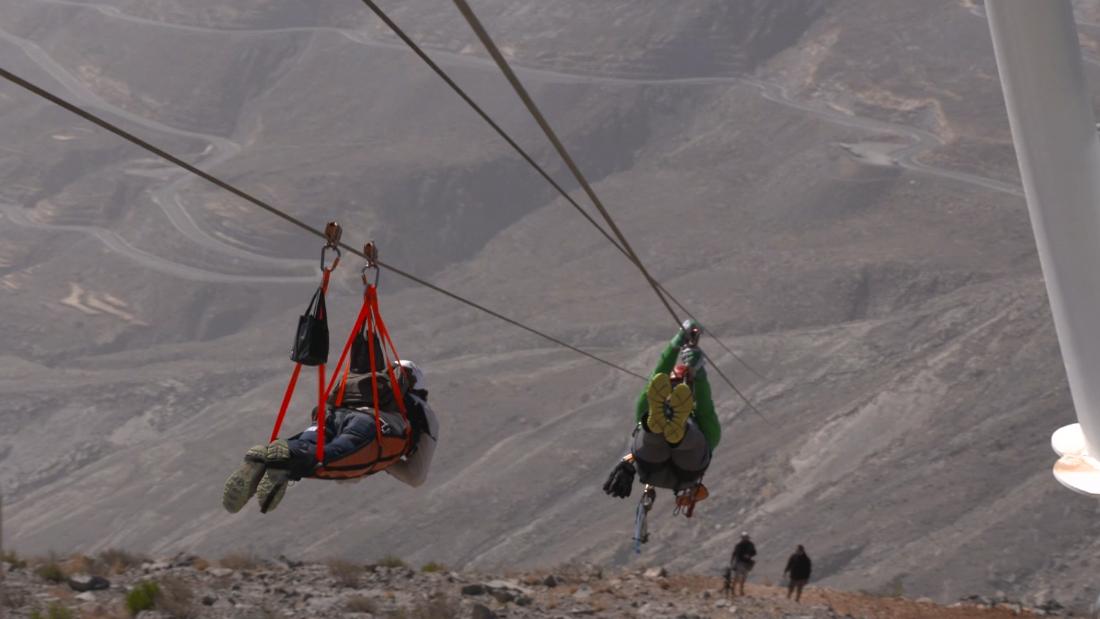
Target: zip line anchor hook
(370,251)
(333,231)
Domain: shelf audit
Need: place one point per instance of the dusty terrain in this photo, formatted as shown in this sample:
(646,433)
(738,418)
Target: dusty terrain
(829,186)
(240,586)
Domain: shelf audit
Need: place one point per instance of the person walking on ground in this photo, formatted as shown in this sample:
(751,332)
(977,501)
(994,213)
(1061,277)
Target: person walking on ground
(798,570)
(742,562)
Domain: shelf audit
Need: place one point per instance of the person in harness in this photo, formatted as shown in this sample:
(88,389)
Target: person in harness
(676,428)
(352,448)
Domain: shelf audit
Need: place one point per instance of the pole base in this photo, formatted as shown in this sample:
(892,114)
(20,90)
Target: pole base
(1075,469)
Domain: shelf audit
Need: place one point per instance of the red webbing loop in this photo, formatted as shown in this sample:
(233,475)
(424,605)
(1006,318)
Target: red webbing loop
(297,370)
(385,335)
(347,346)
(373,301)
(286,402)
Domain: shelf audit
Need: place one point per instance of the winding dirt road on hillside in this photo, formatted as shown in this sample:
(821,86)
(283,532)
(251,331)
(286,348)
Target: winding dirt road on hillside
(220,149)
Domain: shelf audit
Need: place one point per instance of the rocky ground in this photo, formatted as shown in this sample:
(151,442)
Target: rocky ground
(116,584)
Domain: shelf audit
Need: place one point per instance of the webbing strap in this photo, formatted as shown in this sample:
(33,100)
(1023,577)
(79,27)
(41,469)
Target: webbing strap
(286,402)
(373,376)
(294,377)
(393,378)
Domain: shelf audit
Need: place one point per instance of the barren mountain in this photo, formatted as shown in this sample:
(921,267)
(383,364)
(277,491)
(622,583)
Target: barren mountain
(829,186)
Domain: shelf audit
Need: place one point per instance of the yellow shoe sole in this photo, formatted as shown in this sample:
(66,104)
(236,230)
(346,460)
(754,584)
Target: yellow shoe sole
(658,391)
(682,403)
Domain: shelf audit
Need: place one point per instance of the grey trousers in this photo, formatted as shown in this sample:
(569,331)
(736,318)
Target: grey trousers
(672,467)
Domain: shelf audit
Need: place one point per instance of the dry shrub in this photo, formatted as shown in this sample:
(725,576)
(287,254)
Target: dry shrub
(49,569)
(200,564)
(117,561)
(79,564)
(434,608)
(12,558)
(432,567)
(176,598)
(239,561)
(345,573)
(391,561)
(360,604)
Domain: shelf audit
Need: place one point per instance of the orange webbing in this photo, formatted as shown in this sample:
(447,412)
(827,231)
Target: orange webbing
(286,402)
(360,464)
(373,301)
(294,379)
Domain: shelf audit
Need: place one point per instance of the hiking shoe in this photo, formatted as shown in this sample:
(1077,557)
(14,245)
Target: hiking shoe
(658,391)
(692,495)
(271,490)
(242,484)
(682,403)
(278,451)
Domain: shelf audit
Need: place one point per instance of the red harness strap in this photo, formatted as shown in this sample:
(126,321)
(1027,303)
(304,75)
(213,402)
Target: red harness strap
(294,378)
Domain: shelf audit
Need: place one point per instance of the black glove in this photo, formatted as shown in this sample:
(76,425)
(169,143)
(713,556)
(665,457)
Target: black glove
(621,480)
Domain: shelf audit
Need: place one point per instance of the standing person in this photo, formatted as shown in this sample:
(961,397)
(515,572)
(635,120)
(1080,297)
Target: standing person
(798,569)
(742,562)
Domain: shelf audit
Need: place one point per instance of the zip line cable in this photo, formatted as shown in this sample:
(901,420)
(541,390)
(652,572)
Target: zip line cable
(122,133)
(538,168)
(529,103)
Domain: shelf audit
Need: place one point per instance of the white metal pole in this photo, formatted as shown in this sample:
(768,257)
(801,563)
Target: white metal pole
(1039,60)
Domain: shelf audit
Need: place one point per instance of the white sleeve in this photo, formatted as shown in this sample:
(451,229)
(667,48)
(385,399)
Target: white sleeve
(413,470)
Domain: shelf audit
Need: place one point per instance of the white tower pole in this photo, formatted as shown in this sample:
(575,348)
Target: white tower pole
(1039,60)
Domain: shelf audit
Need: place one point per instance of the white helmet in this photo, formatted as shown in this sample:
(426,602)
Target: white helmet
(413,370)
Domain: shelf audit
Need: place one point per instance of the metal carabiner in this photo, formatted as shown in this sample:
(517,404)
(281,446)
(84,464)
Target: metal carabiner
(333,232)
(370,251)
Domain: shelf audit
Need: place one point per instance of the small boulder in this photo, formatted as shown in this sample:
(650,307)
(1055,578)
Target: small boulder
(87,582)
(550,581)
(655,572)
(475,589)
(220,572)
(482,612)
(87,596)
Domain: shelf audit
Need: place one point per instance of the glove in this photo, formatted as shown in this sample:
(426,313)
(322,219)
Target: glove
(691,356)
(621,481)
(689,334)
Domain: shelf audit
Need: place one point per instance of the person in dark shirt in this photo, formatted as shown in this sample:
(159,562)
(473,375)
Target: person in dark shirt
(798,570)
(742,562)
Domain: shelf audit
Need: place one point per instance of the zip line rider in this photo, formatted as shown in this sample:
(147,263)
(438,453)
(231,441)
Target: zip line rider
(676,427)
(349,432)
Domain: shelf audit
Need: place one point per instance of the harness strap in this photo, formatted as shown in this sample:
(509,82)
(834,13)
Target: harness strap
(289,393)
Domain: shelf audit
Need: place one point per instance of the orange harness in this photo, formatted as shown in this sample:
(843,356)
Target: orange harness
(387,448)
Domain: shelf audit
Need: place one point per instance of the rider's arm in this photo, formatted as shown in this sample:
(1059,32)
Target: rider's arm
(704,411)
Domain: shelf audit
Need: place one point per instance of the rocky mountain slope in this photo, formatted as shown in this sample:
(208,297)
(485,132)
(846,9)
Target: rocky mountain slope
(829,186)
(241,586)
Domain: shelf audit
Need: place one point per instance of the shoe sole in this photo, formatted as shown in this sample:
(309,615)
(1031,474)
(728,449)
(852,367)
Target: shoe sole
(658,391)
(681,402)
(242,484)
(278,451)
(271,490)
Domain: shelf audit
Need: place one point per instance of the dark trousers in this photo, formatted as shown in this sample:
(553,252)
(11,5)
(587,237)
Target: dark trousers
(347,430)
